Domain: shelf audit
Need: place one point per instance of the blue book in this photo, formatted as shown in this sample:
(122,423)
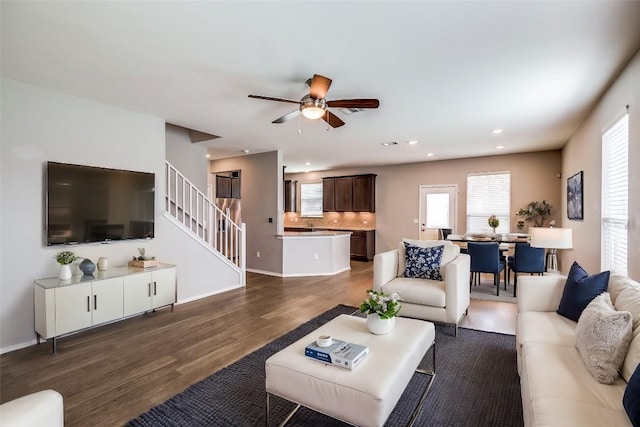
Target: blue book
(339,353)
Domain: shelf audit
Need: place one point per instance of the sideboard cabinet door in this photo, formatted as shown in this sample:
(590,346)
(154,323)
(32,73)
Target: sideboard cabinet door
(137,293)
(106,301)
(73,308)
(163,287)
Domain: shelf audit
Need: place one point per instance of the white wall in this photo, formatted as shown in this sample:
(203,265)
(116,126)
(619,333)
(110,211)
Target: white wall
(261,182)
(189,158)
(39,125)
(583,152)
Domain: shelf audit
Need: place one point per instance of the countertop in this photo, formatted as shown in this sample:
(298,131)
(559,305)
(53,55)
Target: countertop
(332,228)
(313,234)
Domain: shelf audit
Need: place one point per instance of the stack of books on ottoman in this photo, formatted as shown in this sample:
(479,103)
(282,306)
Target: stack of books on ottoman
(336,352)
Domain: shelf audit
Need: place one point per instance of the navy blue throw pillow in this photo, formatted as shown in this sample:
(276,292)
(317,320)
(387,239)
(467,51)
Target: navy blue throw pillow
(423,263)
(631,398)
(579,290)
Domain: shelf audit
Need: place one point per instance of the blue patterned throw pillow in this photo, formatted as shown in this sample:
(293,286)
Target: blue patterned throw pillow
(423,263)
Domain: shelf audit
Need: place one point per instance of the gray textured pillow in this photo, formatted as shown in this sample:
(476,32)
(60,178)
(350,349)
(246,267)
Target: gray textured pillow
(602,338)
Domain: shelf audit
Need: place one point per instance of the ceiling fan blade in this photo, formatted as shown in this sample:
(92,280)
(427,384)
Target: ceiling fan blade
(319,86)
(287,117)
(354,103)
(332,119)
(270,98)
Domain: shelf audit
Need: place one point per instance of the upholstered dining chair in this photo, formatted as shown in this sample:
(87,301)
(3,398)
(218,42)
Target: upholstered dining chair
(485,258)
(525,259)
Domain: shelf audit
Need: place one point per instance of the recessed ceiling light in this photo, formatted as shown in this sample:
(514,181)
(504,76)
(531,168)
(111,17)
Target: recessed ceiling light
(500,147)
(208,156)
(387,144)
(245,151)
(497,131)
(412,142)
(429,154)
(307,163)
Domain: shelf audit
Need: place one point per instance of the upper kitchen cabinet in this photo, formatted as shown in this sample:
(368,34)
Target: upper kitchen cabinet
(343,195)
(228,186)
(364,193)
(349,193)
(290,196)
(328,195)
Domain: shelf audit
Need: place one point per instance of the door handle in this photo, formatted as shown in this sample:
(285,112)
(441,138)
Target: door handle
(149,289)
(155,288)
(95,302)
(88,303)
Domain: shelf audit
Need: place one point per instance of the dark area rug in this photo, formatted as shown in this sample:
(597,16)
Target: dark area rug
(476,384)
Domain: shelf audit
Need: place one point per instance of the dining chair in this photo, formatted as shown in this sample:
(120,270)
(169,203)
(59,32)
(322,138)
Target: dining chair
(525,259)
(485,258)
(444,233)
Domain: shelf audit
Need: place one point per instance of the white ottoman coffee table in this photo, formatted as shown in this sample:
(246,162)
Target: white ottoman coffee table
(366,395)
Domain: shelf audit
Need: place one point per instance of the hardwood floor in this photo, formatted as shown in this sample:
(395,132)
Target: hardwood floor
(113,373)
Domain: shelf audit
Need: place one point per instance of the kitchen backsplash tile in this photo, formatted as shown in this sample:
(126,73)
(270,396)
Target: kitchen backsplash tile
(347,220)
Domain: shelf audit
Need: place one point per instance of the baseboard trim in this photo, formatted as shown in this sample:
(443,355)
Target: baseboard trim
(271,273)
(208,294)
(14,347)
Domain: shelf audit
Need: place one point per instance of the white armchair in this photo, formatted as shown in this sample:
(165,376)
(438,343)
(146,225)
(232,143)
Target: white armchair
(43,408)
(433,300)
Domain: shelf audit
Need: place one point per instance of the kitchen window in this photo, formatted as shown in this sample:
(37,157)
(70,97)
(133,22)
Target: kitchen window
(488,194)
(615,197)
(311,199)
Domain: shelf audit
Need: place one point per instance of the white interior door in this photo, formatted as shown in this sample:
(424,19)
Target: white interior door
(438,206)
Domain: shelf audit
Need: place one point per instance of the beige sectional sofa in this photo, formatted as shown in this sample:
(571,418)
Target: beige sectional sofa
(557,389)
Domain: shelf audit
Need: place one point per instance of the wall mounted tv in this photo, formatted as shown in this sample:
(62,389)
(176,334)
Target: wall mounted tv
(89,204)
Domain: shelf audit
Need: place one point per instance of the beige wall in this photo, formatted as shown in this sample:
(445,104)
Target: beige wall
(190,159)
(261,192)
(533,177)
(583,152)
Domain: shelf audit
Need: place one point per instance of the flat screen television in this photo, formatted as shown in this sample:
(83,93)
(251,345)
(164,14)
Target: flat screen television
(89,204)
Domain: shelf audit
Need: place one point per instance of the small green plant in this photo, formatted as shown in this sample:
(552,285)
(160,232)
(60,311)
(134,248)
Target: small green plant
(66,257)
(493,221)
(386,306)
(536,212)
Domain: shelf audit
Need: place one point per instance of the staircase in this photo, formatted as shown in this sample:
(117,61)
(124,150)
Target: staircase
(199,217)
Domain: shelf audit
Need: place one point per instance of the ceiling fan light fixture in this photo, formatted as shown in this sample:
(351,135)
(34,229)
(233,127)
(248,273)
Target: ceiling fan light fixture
(312,113)
(313,108)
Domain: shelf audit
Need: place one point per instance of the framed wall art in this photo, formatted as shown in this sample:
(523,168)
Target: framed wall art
(575,200)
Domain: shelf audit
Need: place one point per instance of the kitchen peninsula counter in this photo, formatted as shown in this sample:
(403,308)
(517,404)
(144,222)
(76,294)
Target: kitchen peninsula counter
(315,253)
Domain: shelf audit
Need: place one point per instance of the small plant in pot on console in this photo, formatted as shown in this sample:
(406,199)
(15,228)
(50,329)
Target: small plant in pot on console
(65,258)
(381,311)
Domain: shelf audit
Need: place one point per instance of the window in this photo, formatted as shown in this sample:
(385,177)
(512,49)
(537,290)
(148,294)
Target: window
(311,199)
(488,194)
(615,197)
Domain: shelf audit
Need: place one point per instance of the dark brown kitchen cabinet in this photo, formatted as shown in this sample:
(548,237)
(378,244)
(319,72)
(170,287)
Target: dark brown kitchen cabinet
(349,193)
(363,244)
(343,194)
(223,186)
(364,193)
(227,187)
(328,190)
(290,196)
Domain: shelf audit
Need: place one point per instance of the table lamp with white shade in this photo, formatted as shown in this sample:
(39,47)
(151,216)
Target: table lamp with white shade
(553,239)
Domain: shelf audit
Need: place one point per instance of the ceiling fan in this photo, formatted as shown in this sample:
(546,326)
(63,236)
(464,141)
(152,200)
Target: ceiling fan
(315,106)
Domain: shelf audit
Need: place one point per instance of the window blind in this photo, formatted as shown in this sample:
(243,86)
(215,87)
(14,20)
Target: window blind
(311,199)
(615,197)
(488,194)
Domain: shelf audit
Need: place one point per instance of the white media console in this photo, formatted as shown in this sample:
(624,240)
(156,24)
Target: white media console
(66,306)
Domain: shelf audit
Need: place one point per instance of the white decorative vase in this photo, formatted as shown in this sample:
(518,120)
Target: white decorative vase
(379,326)
(102,263)
(65,272)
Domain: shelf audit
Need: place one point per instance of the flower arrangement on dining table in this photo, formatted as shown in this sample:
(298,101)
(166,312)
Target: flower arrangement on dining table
(494,222)
(386,306)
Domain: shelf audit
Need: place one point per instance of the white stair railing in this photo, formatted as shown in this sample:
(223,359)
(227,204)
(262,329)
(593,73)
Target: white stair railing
(191,208)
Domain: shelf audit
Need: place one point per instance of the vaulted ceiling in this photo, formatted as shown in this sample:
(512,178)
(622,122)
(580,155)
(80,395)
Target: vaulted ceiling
(446,73)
